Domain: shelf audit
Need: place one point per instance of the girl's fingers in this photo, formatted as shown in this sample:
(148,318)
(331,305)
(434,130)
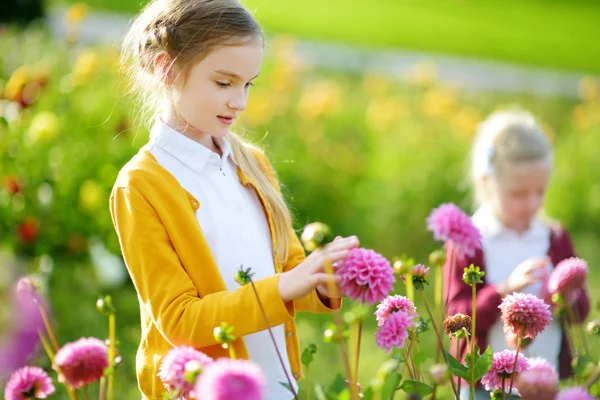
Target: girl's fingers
(344,243)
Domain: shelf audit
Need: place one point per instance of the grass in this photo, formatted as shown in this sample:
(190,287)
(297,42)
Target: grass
(559,34)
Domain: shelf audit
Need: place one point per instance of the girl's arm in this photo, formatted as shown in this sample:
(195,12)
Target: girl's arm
(459,294)
(168,294)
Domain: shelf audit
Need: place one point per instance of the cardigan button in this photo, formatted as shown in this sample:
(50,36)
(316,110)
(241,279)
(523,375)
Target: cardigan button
(296,375)
(289,333)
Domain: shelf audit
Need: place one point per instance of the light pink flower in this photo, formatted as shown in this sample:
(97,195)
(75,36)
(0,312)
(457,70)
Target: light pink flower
(172,368)
(392,304)
(449,223)
(503,367)
(365,276)
(574,393)
(82,362)
(28,383)
(227,379)
(395,330)
(568,278)
(539,382)
(526,312)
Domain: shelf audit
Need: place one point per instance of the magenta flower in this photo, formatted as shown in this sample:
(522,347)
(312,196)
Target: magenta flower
(568,278)
(574,393)
(395,330)
(365,276)
(526,313)
(172,368)
(82,362)
(28,383)
(539,382)
(227,379)
(503,367)
(392,304)
(420,271)
(449,223)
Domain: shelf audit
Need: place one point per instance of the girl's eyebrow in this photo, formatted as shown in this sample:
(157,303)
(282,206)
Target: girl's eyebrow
(232,74)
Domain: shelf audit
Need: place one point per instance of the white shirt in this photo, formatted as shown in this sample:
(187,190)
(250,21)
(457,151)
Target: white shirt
(503,251)
(235,227)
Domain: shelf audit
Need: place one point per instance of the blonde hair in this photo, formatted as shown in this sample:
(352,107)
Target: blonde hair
(506,138)
(188,31)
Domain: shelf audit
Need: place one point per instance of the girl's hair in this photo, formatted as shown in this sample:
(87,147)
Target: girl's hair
(188,30)
(506,138)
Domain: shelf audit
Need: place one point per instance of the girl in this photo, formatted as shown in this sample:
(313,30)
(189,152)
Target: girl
(197,202)
(511,167)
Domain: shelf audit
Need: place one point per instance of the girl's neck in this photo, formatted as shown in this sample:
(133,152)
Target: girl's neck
(170,117)
(518,228)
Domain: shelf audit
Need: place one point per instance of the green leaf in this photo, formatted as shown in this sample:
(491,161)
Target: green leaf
(287,386)
(422,389)
(368,394)
(390,384)
(456,368)
(308,354)
(337,386)
(483,363)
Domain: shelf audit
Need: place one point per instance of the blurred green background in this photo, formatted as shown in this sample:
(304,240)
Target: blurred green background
(363,152)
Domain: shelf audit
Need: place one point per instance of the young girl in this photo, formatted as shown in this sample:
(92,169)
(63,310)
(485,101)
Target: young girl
(511,167)
(197,202)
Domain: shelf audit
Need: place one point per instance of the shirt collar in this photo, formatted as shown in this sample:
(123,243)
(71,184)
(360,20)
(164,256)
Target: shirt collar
(487,222)
(191,153)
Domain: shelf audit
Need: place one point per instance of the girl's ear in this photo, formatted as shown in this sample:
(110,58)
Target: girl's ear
(164,67)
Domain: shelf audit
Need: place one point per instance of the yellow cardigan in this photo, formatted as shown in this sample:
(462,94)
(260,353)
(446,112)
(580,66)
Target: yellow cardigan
(181,292)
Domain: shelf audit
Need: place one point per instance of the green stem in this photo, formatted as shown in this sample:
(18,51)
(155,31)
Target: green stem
(112,337)
(458,357)
(439,294)
(86,395)
(408,359)
(503,387)
(581,336)
(50,354)
(439,337)
(308,389)
(102,391)
(264,314)
(473,323)
(231,351)
(512,379)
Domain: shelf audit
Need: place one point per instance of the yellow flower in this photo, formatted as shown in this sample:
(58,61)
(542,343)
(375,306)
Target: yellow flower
(90,195)
(423,74)
(438,103)
(465,121)
(382,113)
(260,109)
(376,84)
(86,66)
(581,117)
(76,13)
(320,98)
(588,88)
(44,127)
(17,81)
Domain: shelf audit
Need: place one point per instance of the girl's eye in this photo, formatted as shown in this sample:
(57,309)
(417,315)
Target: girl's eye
(223,84)
(249,84)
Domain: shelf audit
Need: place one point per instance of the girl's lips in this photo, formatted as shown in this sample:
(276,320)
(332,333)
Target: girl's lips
(226,120)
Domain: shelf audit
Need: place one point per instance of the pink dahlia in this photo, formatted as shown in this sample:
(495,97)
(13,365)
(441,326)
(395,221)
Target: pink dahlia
(503,367)
(574,393)
(395,330)
(392,304)
(450,223)
(227,379)
(173,367)
(82,362)
(539,382)
(525,312)
(568,276)
(365,276)
(28,383)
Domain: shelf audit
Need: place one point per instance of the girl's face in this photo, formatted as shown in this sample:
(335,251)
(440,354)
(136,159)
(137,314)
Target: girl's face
(216,88)
(518,192)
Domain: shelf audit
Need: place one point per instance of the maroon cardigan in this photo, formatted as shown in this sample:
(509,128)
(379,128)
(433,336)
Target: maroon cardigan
(458,299)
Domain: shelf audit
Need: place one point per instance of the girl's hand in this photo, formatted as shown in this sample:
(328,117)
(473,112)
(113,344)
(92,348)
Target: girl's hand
(532,270)
(310,274)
